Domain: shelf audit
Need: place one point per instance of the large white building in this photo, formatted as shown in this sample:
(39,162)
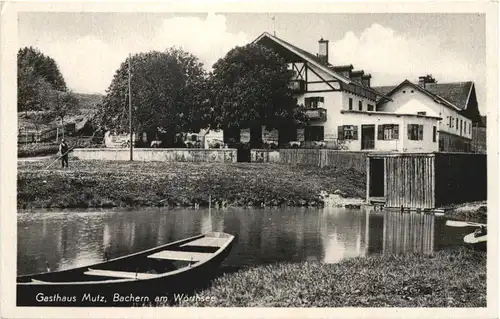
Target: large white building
(345,112)
(454,103)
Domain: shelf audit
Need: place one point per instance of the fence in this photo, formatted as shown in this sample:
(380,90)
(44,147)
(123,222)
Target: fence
(48,135)
(460,178)
(314,157)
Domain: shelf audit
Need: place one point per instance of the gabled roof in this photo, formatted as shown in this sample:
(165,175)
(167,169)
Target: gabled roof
(457,94)
(435,97)
(384,89)
(311,58)
(316,61)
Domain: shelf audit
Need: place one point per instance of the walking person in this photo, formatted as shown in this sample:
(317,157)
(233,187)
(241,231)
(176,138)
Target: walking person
(63,149)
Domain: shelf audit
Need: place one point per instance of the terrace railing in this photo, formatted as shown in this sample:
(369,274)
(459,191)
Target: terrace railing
(316,114)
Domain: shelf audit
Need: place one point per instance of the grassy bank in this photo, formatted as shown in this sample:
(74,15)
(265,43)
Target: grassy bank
(451,278)
(107,184)
(473,212)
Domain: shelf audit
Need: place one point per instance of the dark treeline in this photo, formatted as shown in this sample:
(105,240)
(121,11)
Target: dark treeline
(172,93)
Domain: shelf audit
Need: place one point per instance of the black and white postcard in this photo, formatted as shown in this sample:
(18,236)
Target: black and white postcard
(249,159)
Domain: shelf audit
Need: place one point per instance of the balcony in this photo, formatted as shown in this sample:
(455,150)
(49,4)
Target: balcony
(317,114)
(297,86)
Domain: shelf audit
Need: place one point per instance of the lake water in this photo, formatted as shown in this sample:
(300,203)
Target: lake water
(69,238)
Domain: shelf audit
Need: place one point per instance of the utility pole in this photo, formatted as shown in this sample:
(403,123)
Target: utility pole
(130,108)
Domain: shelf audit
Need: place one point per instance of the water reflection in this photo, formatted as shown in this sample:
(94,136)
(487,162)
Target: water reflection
(70,238)
(408,232)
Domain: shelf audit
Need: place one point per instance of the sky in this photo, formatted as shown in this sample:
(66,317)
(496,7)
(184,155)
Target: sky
(89,47)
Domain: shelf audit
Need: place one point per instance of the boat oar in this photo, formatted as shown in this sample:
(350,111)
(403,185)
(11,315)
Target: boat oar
(456,223)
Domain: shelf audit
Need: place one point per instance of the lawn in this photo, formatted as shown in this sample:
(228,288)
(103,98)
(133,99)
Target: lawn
(113,183)
(450,278)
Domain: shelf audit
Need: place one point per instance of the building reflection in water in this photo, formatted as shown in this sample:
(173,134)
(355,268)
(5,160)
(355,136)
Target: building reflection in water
(408,232)
(344,233)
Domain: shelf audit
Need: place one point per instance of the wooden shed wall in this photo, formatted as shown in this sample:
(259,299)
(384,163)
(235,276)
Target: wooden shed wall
(460,178)
(410,181)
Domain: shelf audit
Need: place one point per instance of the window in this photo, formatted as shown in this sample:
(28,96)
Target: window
(461,124)
(388,132)
(451,121)
(421,113)
(457,123)
(434,134)
(347,132)
(350,104)
(314,133)
(370,107)
(360,105)
(415,132)
(314,102)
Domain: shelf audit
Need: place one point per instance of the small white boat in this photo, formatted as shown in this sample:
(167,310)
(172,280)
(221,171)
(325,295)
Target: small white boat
(477,239)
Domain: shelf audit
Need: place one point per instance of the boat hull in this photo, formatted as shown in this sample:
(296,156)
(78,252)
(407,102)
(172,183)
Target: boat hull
(118,293)
(478,243)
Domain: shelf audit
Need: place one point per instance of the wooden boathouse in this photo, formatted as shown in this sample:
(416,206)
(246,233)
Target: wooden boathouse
(425,180)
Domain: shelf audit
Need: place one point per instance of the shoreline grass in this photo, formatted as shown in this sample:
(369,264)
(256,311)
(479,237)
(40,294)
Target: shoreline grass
(130,184)
(450,278)
(472,212)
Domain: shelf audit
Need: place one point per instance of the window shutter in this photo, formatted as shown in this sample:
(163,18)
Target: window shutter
(340,133)
(308,102)
(420,132)
(380,129)
(395,132)
(355,132)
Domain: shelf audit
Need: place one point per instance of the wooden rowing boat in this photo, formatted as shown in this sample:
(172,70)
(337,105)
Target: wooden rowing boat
(134,279)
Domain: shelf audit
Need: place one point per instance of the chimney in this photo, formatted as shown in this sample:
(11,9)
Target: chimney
(421,81)
(323,50)
(365,79)
(427,79)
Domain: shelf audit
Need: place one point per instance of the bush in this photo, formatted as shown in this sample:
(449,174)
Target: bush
(40,149)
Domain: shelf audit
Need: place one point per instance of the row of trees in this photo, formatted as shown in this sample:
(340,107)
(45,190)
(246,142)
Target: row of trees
(171,90)
(42,92)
